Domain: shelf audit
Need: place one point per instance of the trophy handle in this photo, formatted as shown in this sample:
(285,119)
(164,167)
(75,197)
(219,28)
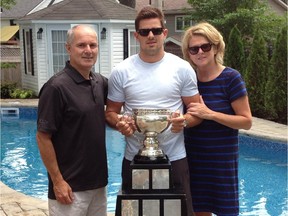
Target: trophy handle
(127,117)
(138,129)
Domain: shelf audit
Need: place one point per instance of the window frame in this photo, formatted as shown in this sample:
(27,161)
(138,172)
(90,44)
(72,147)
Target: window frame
(28,51)
(54,53)
(186,21)
(135,47)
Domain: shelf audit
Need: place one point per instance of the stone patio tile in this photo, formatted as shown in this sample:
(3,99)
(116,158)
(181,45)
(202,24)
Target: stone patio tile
(11,208)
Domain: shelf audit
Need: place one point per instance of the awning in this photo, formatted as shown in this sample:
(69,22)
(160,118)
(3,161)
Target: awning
(7,32)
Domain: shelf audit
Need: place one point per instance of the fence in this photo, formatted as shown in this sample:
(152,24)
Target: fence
(10,54)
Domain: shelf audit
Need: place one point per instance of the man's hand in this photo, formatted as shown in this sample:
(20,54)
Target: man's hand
(63,192)
(126,124)
(178,122)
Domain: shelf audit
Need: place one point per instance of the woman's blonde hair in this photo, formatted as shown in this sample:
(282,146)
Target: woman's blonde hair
(211,34)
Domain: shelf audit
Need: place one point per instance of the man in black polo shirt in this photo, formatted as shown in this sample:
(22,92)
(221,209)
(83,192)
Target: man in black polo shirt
(71,130)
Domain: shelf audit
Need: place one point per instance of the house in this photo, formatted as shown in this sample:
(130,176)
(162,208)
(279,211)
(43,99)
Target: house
(42,32)
(279,6)
(43,36)
(176,20)
(176,11)
(9,29)
(9,39)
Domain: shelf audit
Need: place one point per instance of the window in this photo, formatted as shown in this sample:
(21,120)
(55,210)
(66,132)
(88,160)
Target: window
(28,51)
(59,53)
(182,22)
(130,44)
(134,45)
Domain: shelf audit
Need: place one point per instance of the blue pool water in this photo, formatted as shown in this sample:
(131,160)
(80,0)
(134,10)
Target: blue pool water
(262,167)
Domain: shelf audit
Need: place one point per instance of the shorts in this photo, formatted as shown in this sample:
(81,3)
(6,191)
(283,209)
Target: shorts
(90,203)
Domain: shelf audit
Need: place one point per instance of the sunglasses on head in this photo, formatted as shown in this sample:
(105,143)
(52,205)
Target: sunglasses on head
(204,47)
(155,31)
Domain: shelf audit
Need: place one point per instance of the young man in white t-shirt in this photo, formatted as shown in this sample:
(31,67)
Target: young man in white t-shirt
(154,79)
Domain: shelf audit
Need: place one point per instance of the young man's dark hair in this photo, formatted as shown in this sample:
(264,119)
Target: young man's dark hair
(149,12)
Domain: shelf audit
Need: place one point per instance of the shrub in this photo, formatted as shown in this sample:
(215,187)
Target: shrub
(6,65)
(256,75)
(276,87)
(7,89)
(10,90)
(22,93)
(235,55)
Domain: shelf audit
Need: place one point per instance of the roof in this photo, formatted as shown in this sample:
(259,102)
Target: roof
(174,39)
(168,5)
(84,9)
(20,9)
(7,32)
(282,3)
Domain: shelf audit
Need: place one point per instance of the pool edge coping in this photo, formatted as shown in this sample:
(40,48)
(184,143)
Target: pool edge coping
(261,128)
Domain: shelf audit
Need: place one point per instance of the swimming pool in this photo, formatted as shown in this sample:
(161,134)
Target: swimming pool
(262,167)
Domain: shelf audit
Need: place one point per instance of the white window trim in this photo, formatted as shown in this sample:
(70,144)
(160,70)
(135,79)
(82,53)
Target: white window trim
(28,51)
(96,67)
(183,22)
(137,45)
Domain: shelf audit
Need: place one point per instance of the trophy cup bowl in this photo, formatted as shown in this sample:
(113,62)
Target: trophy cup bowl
(151,122)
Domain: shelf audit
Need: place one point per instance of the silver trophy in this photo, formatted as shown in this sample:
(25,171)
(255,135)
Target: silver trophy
(151,122)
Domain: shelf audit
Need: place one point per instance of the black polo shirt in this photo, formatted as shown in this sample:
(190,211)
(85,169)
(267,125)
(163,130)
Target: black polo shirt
(72,110)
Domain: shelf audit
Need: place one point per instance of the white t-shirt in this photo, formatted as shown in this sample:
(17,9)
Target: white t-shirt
(153,86)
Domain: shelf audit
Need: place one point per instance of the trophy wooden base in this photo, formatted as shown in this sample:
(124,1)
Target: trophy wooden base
(172,204)
(151,191)
(150,178)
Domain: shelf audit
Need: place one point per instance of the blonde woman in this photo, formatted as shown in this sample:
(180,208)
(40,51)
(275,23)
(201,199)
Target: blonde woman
(212,146)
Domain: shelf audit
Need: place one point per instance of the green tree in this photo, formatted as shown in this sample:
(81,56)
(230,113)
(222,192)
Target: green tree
(235,56)
(225,14)
(256,75)
(276,88)
(247,15)
(7,4)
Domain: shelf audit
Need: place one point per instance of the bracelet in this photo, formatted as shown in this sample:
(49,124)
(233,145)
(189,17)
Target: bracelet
(185,123)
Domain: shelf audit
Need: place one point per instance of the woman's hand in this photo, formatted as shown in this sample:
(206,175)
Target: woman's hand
(200,110)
